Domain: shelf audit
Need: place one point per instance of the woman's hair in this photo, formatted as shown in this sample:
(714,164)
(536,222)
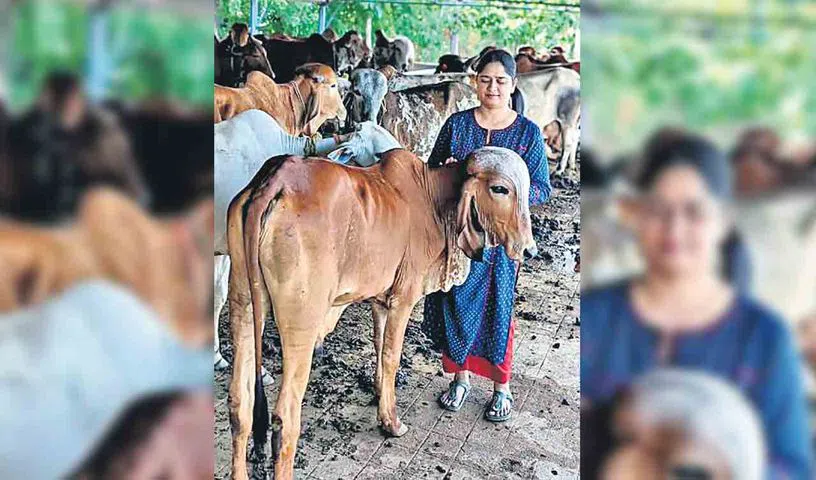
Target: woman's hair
(501,56)
(671,147)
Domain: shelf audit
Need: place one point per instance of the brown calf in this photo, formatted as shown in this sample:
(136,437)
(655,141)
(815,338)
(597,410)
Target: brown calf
(309,237)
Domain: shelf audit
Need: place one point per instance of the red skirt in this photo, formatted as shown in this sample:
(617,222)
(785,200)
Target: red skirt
(482,366)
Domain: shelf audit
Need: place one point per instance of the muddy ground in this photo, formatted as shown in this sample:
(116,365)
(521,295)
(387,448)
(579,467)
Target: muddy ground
(340,438)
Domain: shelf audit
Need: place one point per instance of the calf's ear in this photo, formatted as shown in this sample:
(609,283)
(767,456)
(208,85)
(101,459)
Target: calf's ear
(470,234)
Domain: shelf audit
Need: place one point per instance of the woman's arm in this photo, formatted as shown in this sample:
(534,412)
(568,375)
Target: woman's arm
(783,405)
(441,149)
(536,159)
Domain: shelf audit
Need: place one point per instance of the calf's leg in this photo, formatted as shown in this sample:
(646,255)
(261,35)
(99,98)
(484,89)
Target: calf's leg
(398,314)
(242,385)
(380,314)
(298,332)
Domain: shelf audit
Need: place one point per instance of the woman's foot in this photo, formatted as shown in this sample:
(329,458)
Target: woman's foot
(500,407)
(454,397)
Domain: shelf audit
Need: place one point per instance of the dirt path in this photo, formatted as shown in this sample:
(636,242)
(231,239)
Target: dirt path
(340,436)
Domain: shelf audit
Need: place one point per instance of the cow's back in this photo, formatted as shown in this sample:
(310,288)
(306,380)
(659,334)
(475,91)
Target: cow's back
(551,94)
(349,224)
(415,116)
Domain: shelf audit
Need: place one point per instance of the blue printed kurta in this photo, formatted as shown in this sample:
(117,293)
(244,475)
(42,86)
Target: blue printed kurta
(473,320)
(749,346)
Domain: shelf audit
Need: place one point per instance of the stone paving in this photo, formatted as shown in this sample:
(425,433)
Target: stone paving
(340,438)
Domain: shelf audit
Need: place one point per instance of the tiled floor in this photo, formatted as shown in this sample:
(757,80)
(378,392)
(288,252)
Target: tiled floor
(340,437)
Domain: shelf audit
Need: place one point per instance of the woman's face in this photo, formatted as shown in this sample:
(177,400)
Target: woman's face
(494,86)
(680,224)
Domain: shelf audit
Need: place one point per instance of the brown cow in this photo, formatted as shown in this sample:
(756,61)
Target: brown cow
(287,53)
(318,236)
(237,55)
(167,262)
(300,106)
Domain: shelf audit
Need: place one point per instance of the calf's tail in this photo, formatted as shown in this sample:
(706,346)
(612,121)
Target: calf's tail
(235,237)
(245,224)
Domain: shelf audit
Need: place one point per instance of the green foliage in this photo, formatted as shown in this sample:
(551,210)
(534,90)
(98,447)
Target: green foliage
(153,53)
(708,75)
(428,26)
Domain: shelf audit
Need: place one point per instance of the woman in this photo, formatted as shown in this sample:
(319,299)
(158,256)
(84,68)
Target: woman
(474,320)
(688,309)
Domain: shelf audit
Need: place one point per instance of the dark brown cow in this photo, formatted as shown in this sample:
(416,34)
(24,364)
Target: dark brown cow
(239,54)
(526,63)
(286,54)
(309,237)
(166,141)
(451,63)
(300,107)
(62,146)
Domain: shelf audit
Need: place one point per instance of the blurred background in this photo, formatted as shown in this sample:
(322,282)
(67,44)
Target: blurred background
(740,74)
(106,194)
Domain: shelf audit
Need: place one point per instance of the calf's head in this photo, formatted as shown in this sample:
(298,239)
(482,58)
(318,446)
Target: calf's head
(494,206)
(683,424)
(325,101)
(349,51)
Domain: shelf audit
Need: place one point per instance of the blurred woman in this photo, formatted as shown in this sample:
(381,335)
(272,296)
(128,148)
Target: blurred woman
(689,309)
(473,321)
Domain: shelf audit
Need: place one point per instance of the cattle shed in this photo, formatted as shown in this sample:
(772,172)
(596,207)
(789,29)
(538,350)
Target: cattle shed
(324,21)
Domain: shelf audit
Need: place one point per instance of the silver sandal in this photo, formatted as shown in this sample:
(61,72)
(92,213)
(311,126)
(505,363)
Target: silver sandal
(453,389)
(496,405)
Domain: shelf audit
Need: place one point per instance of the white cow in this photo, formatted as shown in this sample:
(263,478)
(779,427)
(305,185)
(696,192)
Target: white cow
(552,100)
(70,366)
(242,145)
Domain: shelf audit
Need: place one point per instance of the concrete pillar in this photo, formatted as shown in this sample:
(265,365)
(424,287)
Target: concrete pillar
(368,32)
(321,17)
(99,64)
(253,17)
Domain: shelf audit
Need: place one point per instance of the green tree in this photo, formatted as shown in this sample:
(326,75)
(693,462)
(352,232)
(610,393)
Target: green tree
(153,53)
(428,26)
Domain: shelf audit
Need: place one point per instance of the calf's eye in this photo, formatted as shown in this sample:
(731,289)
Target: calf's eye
(499,189)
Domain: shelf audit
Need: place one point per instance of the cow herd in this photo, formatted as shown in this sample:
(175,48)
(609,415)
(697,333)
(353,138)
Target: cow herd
(379,85)
(302,238)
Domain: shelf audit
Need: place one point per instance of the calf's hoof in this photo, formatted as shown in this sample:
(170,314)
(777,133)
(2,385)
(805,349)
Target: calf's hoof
(266,377)
(219,363)
(389,430)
